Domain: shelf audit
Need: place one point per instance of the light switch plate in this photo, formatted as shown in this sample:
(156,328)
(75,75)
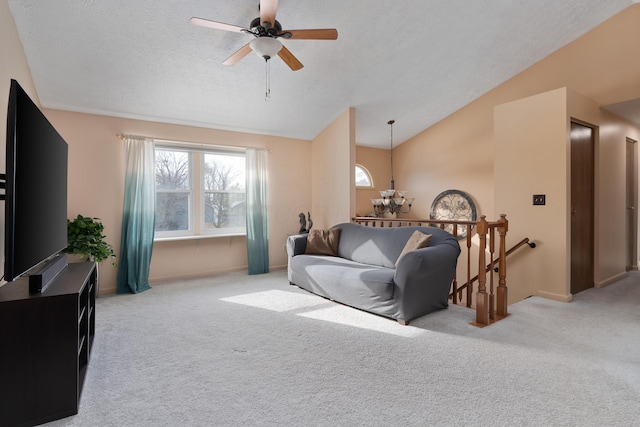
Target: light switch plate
(539,199)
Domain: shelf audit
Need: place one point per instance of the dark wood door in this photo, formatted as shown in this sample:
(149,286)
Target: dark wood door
(582,201)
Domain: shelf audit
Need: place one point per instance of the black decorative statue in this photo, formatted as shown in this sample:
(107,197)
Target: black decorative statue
(309,221)
(303,223)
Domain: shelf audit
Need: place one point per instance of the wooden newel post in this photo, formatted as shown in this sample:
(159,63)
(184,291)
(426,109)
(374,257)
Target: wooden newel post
(454,285)
(469,284)
(492,251)
(501,309)
(482,299)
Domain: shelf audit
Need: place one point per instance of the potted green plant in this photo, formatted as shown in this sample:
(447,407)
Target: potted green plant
(85,238)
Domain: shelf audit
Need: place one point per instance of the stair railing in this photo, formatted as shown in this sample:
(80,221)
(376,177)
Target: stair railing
(491,265)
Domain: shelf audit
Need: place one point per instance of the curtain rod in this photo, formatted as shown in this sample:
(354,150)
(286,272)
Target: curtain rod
(191,143)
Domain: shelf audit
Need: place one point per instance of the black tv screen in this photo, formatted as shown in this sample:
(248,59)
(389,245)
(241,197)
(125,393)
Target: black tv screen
(36,187)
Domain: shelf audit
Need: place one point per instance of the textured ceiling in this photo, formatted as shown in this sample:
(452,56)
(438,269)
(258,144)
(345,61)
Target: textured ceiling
(414,61)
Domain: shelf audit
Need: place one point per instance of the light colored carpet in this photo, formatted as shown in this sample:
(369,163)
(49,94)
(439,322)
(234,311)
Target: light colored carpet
(251,350)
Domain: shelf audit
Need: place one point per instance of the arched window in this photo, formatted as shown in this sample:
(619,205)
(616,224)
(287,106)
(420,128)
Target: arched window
(363,177)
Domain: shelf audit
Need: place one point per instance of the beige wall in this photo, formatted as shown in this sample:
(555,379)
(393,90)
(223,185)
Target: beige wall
(610,195)
(535,159)
(14,66)
(376,161)
(458,152)
(531,158)
(333,172)
(96,185)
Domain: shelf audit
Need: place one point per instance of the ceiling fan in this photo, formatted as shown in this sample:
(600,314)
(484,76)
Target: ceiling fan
(266,30)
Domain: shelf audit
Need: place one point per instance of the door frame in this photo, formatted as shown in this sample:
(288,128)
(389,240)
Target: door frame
(631,204)
(593,207)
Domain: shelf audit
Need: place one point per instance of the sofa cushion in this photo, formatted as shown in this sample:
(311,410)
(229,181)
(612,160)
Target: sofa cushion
(359,285)
(323,242)
(418,240)
(382,245)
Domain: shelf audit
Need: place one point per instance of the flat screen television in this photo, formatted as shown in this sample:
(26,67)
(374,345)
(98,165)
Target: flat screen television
(36,187)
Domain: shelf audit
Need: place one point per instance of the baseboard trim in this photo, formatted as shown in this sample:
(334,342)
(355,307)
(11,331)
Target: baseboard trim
(158,280)
(611,280)
(556,297)
(203,274)
(162,279)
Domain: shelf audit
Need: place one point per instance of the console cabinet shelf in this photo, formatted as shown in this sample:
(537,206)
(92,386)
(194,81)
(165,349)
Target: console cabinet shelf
(45,345)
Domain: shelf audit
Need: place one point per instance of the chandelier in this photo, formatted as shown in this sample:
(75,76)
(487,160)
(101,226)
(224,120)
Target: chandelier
(389,205)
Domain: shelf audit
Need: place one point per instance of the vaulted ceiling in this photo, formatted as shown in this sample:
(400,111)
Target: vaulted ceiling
(414,61)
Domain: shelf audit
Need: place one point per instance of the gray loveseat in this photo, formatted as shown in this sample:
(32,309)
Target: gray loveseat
(364,274)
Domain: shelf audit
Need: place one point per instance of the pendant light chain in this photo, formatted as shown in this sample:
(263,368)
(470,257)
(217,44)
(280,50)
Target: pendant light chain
(392,183)
(267,91)
(392,202)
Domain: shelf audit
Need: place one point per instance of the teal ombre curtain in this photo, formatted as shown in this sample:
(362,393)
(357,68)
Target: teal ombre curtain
(138,218)
(257,236)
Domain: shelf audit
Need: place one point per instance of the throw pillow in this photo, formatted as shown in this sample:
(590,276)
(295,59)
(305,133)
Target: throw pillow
(323,242)
(417,240)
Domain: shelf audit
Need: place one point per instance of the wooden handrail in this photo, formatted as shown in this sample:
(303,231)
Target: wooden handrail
(489,307)
(491,265)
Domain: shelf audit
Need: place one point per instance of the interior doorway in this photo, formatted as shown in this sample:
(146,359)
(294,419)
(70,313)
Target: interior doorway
(582,206)
(632,204)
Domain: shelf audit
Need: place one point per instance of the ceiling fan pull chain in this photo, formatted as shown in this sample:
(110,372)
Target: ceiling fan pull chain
(267,92)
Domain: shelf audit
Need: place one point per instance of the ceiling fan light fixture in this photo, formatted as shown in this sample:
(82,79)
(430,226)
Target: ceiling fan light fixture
(265,47)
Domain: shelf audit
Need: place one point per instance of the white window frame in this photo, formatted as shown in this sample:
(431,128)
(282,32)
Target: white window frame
(366,172)
(197,229)
(171,234)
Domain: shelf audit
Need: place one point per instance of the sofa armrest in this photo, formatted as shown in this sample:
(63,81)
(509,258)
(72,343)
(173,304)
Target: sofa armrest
(423,279)
(296,244)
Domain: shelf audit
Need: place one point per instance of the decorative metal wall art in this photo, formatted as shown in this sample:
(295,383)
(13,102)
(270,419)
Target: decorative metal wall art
(453,205)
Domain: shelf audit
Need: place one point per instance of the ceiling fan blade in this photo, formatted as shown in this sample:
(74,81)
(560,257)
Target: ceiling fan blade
(289,59)
(325,34)
(268,11)
(217,25)
(238,55)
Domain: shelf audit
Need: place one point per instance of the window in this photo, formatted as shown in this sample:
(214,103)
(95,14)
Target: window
(363,177)
(199,192)
(224,192)
(173,191)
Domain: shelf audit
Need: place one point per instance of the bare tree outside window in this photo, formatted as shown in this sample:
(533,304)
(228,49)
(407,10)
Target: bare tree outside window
(224,191)
(172,170)
(173,190)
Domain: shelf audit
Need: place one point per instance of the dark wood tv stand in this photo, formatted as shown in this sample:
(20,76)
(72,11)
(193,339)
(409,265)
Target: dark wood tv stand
(45,344)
